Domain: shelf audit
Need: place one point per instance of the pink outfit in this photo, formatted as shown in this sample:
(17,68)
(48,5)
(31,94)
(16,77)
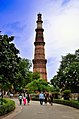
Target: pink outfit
(24,100)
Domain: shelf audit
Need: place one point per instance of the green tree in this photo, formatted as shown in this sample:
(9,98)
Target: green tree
(39,85)
(67,60)
(8,61)
(36,75)
(24,76)
(72,77)
(67,76)
(14,71)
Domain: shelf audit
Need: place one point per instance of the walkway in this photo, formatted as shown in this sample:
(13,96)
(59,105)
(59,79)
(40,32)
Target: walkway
(36,111)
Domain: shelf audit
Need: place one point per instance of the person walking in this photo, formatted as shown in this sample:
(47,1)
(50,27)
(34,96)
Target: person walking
(51,99)
(20,98)
(46,97)
(24,99)
(28,98)
(41,98)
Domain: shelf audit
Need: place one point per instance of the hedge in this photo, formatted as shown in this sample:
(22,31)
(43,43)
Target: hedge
(71,103)
(8,106)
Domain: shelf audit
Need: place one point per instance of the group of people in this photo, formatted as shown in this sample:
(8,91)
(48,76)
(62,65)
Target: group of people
(43,97)
(46,97)
(24,98)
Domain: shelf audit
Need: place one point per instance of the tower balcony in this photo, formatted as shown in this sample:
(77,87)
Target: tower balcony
(36,61)
(39,43)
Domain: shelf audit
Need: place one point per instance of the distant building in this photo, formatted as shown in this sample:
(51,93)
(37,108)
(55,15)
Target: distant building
(39,61)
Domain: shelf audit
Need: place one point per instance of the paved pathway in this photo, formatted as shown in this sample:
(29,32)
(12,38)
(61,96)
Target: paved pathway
(36,111)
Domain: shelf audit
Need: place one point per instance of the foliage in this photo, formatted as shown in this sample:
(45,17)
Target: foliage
(36,75)
(56,94)
(39,85)
(66,94)
(35,97)
(71,103)
(23,77)
(68,74)
(8,61)
(67,60)
(14,71)
(72,77)
(8,106)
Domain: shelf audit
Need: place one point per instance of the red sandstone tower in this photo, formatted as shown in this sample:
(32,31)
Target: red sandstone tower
(39,61)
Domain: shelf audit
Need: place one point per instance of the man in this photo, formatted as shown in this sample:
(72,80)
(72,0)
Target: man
(51,99)
(41,98)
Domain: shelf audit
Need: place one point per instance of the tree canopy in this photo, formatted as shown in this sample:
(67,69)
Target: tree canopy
(39,85)
(68,74)
(8,61)
(14,70)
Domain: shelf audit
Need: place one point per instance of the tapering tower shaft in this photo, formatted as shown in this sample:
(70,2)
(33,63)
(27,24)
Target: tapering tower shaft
(39,61)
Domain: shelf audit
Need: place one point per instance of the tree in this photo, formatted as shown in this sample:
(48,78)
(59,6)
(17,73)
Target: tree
(67,60)
(8,61)
(14,71)
(72,77)
(68,75)
(31,76)
(24,76)
(39,85)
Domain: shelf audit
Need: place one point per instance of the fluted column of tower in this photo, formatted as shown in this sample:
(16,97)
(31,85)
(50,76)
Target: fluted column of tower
(39,61)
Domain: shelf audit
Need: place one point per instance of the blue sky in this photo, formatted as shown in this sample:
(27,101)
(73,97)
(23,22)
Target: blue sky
(60,23)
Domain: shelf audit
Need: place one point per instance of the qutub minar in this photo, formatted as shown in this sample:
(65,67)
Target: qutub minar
(39,61)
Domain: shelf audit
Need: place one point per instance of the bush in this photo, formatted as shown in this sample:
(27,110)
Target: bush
(7,107)
(56,95)
(35,97)
(67,102)
(66,94)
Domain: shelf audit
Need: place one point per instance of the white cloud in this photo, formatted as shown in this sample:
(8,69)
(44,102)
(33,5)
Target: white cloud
(61,25)
(61,31)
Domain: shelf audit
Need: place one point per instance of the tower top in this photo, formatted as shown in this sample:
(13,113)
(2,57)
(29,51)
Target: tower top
(39,19)
(39,14)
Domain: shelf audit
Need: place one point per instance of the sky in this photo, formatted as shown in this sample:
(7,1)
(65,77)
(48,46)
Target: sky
(60,23)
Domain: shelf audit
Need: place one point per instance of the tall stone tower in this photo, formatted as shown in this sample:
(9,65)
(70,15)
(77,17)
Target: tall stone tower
(39,61)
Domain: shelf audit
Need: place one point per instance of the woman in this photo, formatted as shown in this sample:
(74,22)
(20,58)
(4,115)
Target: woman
(24,99)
